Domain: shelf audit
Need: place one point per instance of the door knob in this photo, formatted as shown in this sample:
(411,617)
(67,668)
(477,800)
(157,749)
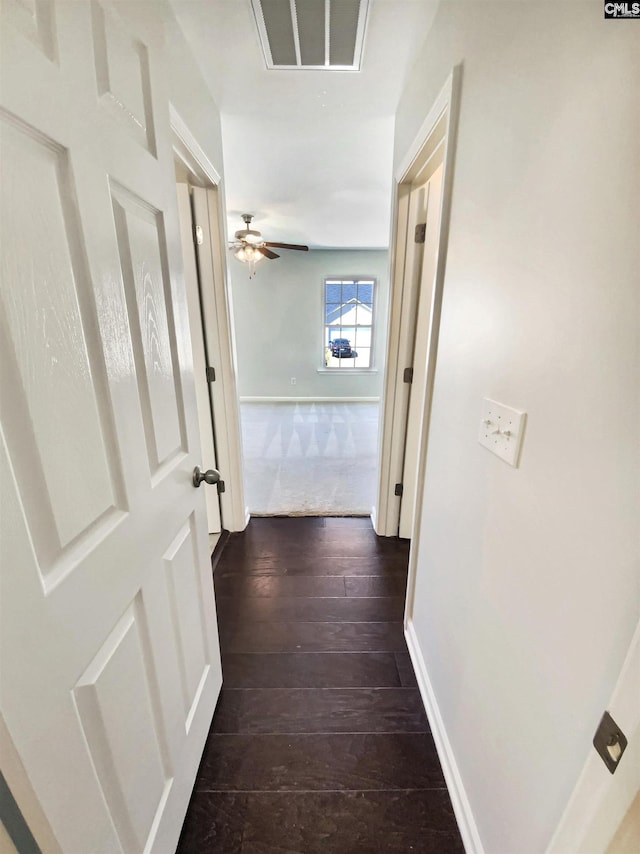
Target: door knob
(210,476)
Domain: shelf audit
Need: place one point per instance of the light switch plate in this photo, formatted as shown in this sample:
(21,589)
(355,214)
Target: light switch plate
(501,430)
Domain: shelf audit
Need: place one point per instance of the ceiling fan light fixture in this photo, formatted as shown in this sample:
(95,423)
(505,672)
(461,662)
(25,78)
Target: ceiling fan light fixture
(249,247)
(248,254)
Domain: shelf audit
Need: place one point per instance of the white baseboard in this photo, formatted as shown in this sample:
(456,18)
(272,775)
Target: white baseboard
(309,400)
(461,807)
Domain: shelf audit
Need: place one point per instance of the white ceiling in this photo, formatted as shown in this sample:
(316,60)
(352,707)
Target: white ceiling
(309,153)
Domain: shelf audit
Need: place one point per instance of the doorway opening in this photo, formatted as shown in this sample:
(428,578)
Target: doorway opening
(309,330)
(310,458)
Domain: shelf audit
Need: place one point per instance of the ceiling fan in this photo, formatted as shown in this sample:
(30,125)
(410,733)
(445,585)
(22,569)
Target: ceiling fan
(249,246)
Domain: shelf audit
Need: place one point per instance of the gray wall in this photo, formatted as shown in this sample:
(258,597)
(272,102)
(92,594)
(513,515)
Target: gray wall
(278,324)
(528,585)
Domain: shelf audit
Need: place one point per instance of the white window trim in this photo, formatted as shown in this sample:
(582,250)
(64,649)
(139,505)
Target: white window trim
(346,277)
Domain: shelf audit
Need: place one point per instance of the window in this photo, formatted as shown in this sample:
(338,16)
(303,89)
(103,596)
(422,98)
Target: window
(348,323)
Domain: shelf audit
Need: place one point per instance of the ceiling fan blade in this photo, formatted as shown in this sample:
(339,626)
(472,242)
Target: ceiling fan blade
(288,246)
(268,253)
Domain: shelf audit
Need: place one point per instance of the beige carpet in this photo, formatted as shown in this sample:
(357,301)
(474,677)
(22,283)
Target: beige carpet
(310,459)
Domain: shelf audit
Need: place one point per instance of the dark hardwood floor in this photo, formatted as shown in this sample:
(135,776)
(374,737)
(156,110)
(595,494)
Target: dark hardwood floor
(319,742)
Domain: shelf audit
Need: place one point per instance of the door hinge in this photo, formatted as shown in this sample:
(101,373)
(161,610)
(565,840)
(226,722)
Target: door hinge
(421,232)
(199,235)
(211,374)
(398,490)
(221,487)
(407,376)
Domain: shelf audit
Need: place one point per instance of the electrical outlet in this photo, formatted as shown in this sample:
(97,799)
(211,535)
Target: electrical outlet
(293,380)
(501,430)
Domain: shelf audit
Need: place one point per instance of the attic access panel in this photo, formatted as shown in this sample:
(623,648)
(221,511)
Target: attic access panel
(325,35)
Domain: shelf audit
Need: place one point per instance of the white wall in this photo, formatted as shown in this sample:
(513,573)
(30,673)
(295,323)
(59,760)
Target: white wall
(187,90)
(528,579)
(278,318)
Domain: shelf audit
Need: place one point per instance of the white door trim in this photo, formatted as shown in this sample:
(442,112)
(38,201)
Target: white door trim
(218,331)
(424,207)
(188,149)
(431,136)
(216,312)
(208,458)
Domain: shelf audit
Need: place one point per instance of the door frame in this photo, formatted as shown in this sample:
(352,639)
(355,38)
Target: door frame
(216,314)
(438,129)
(206,421)
(424,205)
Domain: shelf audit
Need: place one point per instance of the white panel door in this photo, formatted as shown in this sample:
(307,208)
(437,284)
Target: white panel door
(109,652)
(424,207)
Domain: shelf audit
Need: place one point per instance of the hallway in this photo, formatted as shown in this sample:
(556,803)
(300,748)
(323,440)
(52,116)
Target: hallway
(319,742)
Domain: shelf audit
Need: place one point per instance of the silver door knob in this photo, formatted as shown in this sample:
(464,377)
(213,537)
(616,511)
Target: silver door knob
(210,476)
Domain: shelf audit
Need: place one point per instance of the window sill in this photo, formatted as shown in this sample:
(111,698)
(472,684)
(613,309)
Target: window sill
(349,371)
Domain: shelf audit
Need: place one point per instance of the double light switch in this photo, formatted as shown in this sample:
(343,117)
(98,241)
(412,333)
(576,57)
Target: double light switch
(501,430)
